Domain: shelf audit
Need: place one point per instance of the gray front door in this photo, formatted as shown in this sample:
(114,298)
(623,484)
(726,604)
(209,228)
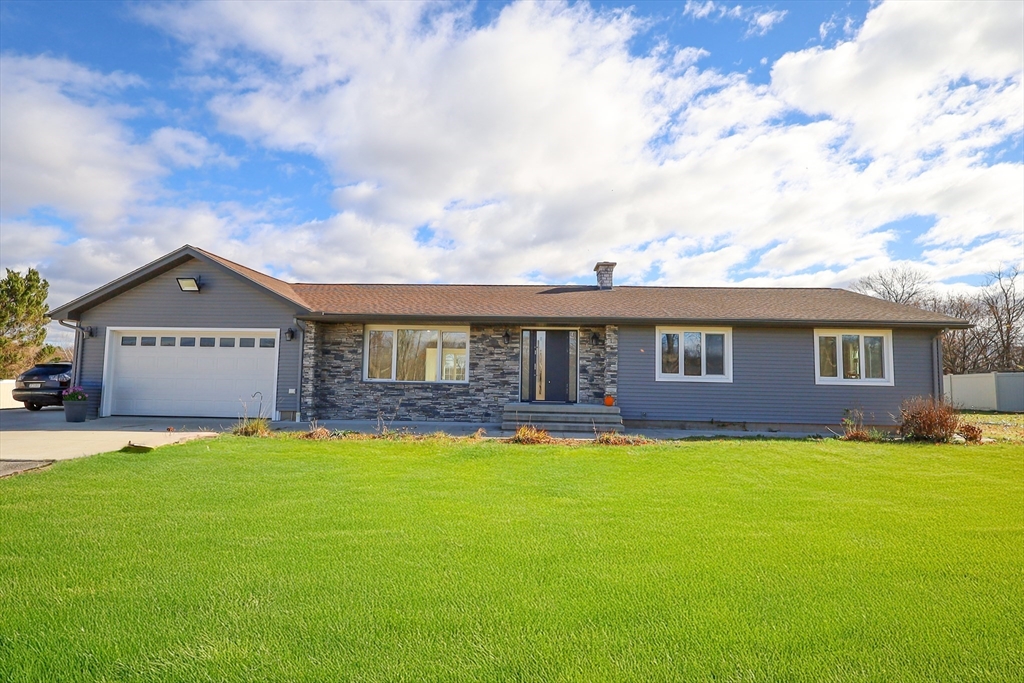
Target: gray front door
(551,375)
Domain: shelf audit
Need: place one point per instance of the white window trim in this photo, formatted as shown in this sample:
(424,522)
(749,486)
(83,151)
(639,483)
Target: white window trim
(394,352)
(887,351)
(668,377)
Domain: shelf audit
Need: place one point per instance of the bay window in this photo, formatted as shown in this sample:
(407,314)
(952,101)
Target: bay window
(413,353)
(694,354)
(853,357)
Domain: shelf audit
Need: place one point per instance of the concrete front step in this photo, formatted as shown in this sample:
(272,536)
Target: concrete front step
(572,418)
(576,408)
(554,428)
(541,418)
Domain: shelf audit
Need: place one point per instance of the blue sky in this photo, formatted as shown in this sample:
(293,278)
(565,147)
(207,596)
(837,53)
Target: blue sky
(695,143)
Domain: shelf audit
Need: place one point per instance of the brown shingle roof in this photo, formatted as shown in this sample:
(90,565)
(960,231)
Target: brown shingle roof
(550,304)
(279,287)
(620,304)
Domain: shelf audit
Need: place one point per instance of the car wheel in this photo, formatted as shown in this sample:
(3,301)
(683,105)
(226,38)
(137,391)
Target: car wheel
(33,406)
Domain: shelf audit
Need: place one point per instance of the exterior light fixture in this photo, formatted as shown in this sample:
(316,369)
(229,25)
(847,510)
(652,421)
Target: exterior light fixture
(595,338)
(188,284)
(507,337)
(289,334)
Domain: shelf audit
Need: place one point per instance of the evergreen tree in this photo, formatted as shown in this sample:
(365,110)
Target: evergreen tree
(23,320)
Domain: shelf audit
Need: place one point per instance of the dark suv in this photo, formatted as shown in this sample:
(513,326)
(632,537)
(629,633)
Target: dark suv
(43,385)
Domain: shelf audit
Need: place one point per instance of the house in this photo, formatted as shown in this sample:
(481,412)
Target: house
(193,334)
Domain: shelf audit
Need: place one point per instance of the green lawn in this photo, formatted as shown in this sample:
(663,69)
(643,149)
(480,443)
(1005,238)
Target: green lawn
(280,559)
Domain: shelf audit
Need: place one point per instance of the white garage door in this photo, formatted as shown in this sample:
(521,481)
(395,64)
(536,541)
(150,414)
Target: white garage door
(191,373)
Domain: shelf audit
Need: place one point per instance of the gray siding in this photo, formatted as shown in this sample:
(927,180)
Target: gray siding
(773,381)
(226,300)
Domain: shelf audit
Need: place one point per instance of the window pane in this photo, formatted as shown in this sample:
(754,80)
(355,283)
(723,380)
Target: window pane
(715,363)
(417,355)
(540,365)
(188,341)
(149,341)
(670,354)
(453,356)
(524,357)
(227,341)
(207,341)
(378,364)
(167,341)
(247,342)
(127,341)
(266,342)
(828,362)
(873,358)
(691,354)
(851,356)
(573,354)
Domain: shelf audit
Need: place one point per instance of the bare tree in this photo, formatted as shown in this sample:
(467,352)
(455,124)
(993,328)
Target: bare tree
(963,351)
(995,343)
(898,284)
(1003,301)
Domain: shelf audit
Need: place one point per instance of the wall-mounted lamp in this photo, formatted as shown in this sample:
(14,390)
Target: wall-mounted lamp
(595,338)
(188,284)
(89,331)
(289,334)
(507,337)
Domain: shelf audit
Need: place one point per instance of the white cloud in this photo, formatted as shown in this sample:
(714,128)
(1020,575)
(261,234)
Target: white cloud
(80,194)
(531,148)
(63,144)
(528,145)
(759,20)
(762,22)
(183,148)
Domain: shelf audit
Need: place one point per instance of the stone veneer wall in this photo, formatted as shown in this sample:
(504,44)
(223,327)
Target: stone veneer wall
(592,364)
(333,387)
(611,368)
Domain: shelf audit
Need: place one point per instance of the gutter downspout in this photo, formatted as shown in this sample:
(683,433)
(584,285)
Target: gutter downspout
(76,357)
(938,389)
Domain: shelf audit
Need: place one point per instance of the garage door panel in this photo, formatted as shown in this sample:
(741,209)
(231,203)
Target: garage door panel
(166,363)
(191,380)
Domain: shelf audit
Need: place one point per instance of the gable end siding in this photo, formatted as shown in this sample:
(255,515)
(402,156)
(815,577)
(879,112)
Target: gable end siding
(225,300)
(773,381)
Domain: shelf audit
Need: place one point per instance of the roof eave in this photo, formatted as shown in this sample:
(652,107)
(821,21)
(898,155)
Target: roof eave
(608,320)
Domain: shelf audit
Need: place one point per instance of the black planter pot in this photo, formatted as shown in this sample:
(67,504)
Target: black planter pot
(74,411)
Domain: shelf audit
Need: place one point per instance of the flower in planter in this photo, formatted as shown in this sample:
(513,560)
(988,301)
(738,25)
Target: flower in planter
(75,394)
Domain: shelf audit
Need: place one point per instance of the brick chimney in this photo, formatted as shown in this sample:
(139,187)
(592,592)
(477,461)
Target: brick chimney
(604,274)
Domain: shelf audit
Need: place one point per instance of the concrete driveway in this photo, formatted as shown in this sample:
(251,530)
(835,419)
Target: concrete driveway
(45,435)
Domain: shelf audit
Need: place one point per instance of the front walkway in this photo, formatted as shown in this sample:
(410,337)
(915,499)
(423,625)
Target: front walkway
(45,435)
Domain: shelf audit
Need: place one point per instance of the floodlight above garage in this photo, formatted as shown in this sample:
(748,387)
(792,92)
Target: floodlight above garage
(188,284)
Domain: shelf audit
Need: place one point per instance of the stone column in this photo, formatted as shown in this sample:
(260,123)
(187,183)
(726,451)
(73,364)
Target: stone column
(310,354)
(611,360)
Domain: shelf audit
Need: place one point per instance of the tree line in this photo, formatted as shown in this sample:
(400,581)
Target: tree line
(994,344)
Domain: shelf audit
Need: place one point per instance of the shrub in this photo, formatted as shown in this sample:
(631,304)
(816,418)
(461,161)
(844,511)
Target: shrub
(853,426)
(970,432)
(616,439)
(252,426)
(317,434)
(528,435)
(925,419)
